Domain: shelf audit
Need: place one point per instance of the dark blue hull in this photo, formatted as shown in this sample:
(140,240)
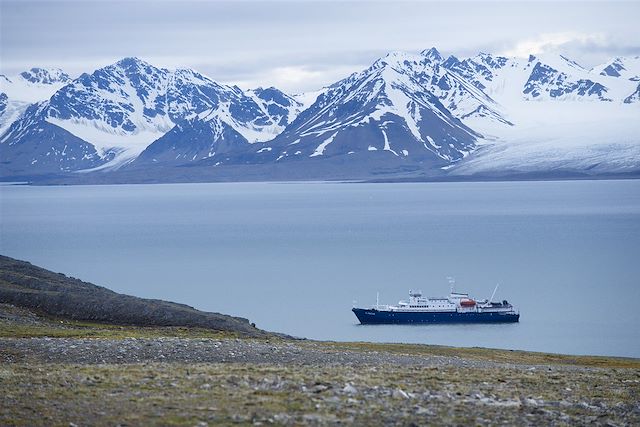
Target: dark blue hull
(375,317)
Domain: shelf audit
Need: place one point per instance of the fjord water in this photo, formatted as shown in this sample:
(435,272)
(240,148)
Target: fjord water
(292,257)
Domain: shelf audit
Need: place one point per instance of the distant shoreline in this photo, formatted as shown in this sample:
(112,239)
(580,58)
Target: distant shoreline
(72,181)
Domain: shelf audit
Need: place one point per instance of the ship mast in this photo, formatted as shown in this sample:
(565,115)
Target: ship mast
(494,292)
(452,282)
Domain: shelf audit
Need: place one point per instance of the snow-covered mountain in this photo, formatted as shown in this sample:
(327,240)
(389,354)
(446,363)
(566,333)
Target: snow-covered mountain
(539,113)
(20,91)
(544,78)
(32,143)
(236,122)
(198,138)
(126,106)
(420,114)
(394,107)
(634,97)
(627,68)
(36,84)
(121,109)
(566,118)
(623,69)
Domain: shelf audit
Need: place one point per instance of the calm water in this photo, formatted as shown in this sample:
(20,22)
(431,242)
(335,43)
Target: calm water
(294,257)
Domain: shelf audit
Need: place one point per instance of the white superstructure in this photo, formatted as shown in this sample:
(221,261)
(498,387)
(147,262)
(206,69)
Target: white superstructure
(456,302)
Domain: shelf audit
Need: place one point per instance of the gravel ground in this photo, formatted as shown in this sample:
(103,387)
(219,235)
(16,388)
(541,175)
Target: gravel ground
(203,350)
(196,381)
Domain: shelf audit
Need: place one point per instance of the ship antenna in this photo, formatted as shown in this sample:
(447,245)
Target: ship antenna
(377,300)
(452,282)
(494,292)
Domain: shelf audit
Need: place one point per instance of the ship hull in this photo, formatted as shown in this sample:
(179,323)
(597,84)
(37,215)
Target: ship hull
(378,317)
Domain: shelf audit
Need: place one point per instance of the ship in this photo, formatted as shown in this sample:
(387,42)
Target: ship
(456,308)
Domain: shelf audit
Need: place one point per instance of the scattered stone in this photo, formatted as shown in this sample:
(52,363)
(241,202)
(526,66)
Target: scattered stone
(400,394)
(349,389)
(319,388)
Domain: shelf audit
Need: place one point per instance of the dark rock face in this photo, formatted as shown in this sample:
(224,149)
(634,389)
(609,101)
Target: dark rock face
(634,97)
(613,69)
(544,78)
(3,103)
(33,143)
(191,140)
(277,104)
(54,294)
(45,76)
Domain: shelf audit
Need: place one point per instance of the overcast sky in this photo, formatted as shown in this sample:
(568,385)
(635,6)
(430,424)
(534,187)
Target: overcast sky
(302,45)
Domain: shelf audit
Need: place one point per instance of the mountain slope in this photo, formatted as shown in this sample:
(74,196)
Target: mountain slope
(32,143)
(230,127)
(28,87)
(385,110)
(566,120)
(624,69)
(546,80)
(194,139)
(122,108)
(634,97)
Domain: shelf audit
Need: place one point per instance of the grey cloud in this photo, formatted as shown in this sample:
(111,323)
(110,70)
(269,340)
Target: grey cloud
(241,40)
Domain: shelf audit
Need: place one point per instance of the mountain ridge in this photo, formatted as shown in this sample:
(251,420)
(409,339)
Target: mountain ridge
(424,112)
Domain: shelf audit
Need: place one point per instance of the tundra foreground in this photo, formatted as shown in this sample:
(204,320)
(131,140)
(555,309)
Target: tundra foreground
(57,372)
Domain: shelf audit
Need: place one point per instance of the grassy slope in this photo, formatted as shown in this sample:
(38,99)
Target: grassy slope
(54,294)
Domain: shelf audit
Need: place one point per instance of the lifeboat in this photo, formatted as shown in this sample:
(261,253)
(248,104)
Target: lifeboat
(467,303)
